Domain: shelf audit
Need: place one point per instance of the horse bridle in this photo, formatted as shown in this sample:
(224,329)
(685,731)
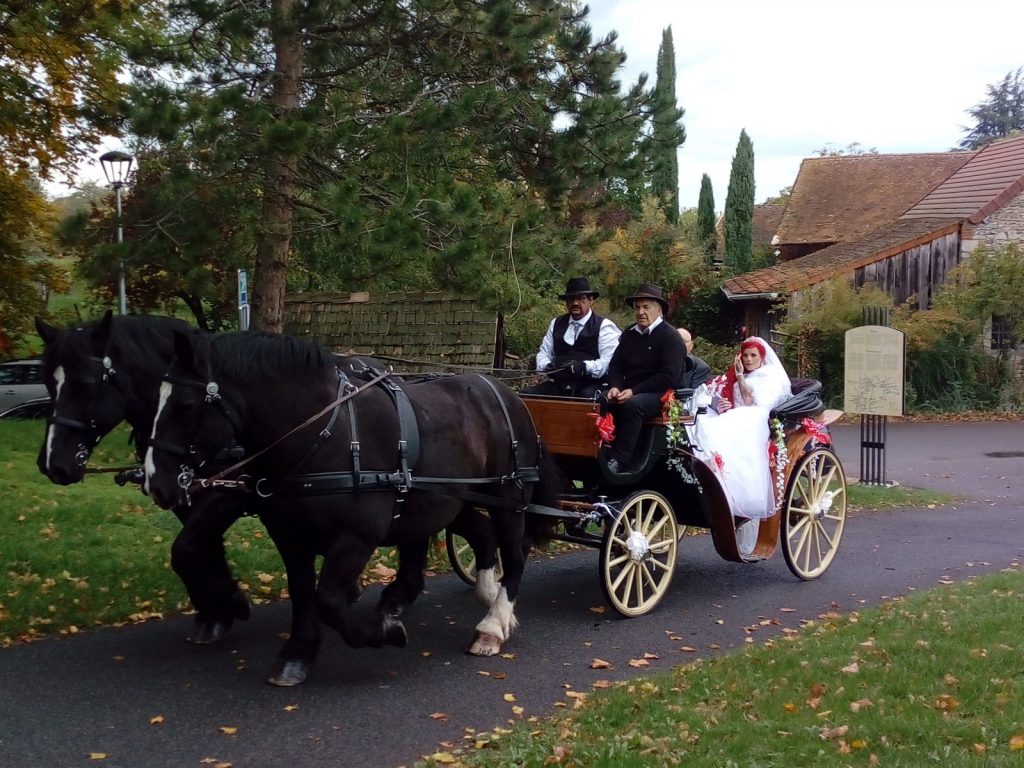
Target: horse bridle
(211,396)
(89,430)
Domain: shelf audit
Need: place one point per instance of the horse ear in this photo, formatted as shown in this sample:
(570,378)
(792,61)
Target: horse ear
(101,333)
(184,351)
(48,333)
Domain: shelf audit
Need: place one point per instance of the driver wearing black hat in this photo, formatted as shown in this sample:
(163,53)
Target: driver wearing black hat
(648,361)
(575,352)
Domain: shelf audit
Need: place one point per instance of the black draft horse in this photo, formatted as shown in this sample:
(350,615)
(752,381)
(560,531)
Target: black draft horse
(350,480)
(101,373)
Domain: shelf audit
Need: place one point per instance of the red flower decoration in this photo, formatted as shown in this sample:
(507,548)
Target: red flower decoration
(605,427)
(817,431)
(719,462)
(669,397)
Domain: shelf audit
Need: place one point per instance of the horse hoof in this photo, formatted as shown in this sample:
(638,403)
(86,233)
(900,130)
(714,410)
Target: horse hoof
(289,673)
(394,632)
(485,644)
(208,632)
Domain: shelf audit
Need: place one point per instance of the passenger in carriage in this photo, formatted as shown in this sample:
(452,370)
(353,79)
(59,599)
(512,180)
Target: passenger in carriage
(696,371)
(733,437)
(575,352)
(648,361)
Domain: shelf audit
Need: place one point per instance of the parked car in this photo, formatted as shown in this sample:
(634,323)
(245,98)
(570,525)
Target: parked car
(22,392)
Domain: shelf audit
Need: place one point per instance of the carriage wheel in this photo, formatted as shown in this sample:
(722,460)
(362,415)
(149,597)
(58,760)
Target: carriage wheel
(463,561)
(815,514)
(638,553)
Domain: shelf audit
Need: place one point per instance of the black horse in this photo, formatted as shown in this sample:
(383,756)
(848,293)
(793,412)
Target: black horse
(338,470)
(104,372)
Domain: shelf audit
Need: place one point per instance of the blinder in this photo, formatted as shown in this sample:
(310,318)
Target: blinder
(90,429)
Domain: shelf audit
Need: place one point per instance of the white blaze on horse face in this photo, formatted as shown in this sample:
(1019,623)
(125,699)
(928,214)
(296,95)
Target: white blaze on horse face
(165,394)
(59,377)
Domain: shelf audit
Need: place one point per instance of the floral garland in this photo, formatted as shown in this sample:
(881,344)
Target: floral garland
(778,458)
(675,438)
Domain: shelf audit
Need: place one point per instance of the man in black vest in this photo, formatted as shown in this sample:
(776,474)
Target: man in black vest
(648,361)
(577,347)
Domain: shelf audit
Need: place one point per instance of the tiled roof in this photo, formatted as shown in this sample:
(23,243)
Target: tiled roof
(989,180)
(893,238)
(841,199)
(767,217)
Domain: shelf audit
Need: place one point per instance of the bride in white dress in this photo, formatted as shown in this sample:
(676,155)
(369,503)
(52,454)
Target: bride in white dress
(733,437)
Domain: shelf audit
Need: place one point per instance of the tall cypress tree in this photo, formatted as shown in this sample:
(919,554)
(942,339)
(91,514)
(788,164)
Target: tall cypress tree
(667,133)
(739,207)
(706,216)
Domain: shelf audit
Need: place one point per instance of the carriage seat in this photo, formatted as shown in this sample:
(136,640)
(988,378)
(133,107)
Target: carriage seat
(805,400)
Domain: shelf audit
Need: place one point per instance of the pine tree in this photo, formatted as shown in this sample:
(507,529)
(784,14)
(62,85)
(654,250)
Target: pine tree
(380,144)
(706,216)
(667,133)
(739,208)
(1001,114)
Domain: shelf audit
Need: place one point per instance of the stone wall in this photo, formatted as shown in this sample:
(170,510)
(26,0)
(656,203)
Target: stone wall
(1004,226)
(412,331)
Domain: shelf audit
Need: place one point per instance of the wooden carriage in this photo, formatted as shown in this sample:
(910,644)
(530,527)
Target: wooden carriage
(637,520)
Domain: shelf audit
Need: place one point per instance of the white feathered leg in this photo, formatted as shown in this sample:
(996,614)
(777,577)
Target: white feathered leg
(487,586)
(496,627)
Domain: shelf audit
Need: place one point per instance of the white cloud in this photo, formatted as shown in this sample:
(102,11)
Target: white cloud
(800,74)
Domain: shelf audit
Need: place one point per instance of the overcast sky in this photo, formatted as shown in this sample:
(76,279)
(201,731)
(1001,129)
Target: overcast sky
(799,75)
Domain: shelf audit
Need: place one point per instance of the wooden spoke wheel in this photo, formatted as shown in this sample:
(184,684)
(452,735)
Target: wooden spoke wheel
(638,553)
(814,514)
(463,559)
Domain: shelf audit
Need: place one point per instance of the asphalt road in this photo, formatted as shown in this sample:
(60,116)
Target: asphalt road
(63,699)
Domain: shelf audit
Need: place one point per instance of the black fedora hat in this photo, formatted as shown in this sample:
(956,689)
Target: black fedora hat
(578,286)
(649,291)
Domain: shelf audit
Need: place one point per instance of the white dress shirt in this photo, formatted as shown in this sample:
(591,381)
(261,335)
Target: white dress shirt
(607,341)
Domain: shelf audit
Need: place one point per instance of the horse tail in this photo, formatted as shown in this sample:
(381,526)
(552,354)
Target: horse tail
(547,492)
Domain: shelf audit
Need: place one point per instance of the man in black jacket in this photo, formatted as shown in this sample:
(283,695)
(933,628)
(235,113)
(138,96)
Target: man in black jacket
(697,371)
(574,355)
(648,361)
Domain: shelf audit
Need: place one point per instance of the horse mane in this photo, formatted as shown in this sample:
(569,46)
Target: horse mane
(254,355)
(137,338)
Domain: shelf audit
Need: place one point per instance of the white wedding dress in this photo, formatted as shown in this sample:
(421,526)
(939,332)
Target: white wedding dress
(734,444)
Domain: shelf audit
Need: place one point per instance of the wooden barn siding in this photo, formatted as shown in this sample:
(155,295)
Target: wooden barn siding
(430,327)
(916,272)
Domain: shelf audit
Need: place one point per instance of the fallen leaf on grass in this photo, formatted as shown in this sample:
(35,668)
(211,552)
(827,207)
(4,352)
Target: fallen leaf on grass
(834,733)
(443,757)
(857,706)
(602,684)
(1017,742)
(851,669)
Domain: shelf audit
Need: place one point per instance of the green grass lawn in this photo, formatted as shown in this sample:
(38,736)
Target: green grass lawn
(933,679)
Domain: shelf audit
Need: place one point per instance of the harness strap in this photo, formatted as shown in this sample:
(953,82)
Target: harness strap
(508,423)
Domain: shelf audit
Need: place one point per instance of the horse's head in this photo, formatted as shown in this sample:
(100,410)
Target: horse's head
(87,398)
(195,426)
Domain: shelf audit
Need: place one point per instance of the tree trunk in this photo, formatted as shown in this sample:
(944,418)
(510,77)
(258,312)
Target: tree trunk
(279,182)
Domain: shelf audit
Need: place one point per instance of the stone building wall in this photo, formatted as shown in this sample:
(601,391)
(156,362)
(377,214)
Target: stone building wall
(412,331)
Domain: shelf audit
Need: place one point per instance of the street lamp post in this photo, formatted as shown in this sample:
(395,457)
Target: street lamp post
(116,166)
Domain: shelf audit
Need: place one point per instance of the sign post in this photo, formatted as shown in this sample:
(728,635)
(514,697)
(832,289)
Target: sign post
(243,300)
(874,387)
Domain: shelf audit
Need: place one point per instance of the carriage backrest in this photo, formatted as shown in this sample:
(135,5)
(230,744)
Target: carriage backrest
(565,424)
(805,400)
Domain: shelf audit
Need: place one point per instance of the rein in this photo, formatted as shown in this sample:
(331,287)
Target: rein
(217,480)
